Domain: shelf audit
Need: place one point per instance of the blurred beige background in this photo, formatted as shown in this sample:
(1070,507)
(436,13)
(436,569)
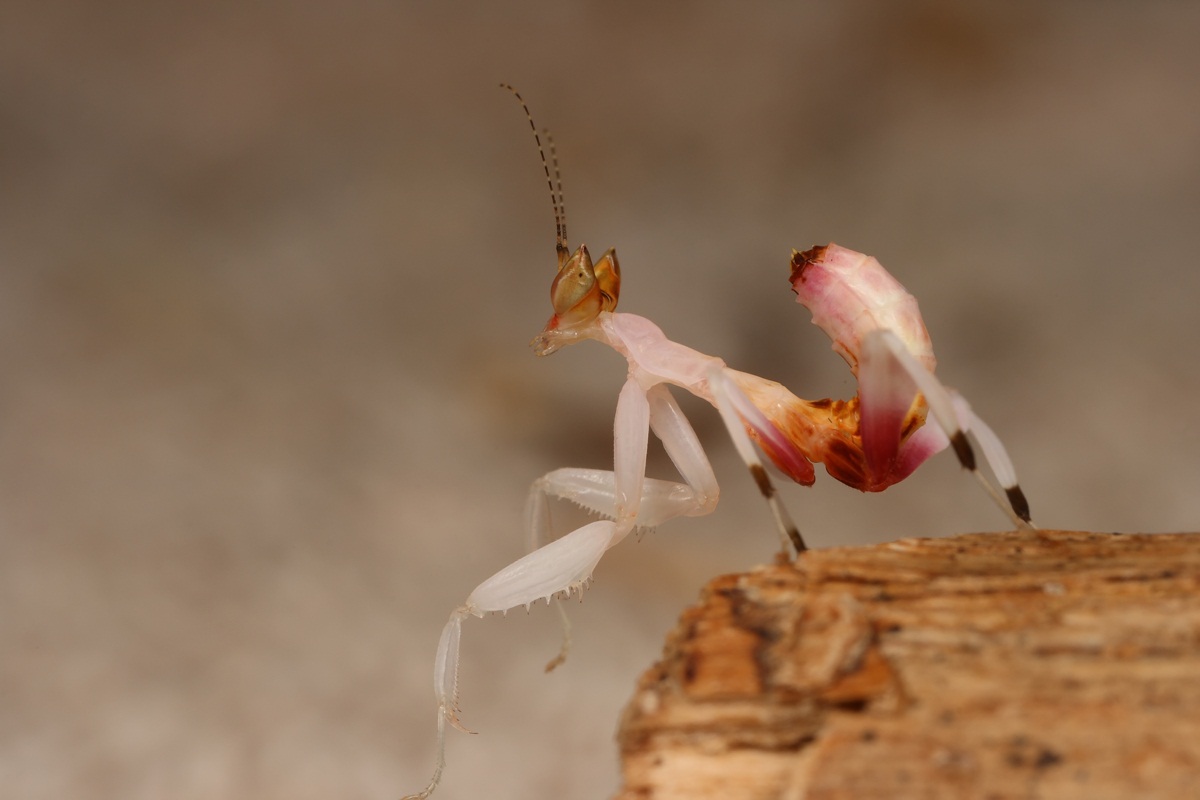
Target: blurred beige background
(268,273)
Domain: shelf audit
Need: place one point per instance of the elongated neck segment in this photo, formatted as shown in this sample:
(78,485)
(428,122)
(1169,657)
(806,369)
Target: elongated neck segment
(554,337)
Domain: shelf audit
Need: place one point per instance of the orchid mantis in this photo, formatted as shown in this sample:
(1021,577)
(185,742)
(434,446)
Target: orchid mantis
(869,442)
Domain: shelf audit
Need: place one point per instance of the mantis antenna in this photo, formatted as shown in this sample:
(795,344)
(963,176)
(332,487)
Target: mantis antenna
(561,245)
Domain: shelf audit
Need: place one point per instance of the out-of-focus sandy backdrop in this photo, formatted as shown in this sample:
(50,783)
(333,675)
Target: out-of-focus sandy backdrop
(268,273)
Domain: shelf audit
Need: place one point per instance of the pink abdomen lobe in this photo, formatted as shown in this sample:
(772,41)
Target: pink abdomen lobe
(850,295)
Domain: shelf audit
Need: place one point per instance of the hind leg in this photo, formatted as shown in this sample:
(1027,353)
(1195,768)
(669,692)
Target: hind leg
(737,411)
(889,379)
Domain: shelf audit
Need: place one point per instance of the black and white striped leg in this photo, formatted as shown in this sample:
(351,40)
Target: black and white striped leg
(733,405)
(955,417)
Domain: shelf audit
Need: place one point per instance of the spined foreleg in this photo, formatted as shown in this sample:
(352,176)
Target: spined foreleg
(657,500)
(660,501)
(562,566)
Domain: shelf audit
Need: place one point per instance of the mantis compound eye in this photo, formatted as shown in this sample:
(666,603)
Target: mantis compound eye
(608,276)
(576,292)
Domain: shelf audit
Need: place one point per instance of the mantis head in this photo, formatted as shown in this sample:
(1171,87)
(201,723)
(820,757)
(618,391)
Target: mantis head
(581,289)
(580,292)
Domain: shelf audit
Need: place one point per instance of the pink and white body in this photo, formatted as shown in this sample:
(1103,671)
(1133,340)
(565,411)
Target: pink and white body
(869,442)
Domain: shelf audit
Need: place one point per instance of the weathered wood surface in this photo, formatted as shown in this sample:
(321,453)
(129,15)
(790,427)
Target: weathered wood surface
(1012,665)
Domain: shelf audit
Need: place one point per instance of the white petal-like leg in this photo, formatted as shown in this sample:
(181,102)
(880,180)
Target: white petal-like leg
(561,567)
(660,500)
(631,435)
(616,494)
(595,490)
(735,407)
(997,458)
(554,569)
(699,496)
(882,353)
(441,762)
(537,523)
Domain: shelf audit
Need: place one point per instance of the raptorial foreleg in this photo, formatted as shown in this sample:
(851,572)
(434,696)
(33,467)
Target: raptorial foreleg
(563,566)
(660,501)
(558,568)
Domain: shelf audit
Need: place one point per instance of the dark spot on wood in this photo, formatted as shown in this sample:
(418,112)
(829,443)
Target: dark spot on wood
(1026,753)
(869,735)
(854,705)
(751,616)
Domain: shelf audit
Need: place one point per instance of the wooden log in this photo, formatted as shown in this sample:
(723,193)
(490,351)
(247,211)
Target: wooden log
(1011,665)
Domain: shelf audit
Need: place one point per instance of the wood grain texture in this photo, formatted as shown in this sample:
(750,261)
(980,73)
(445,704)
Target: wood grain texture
(1008,665)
